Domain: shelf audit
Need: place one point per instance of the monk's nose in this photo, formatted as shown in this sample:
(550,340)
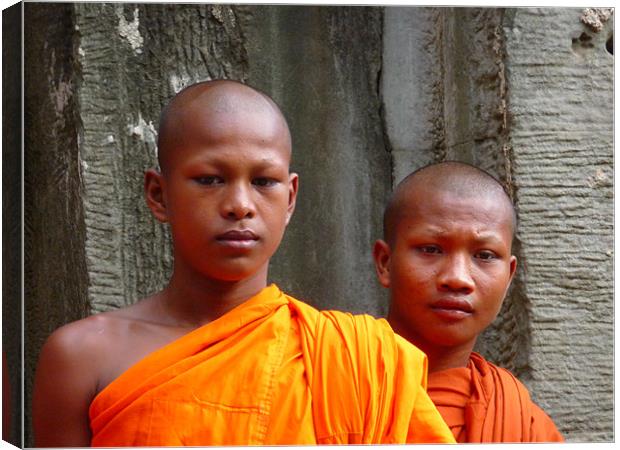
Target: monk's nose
(455,274)
(238,203)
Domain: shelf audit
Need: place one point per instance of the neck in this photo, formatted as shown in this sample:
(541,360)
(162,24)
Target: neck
(440,357)
(194,300)
(448,357)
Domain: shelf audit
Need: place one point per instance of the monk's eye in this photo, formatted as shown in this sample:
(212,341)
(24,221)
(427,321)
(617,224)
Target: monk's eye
(264,182)
(486,255)
(208,180)
(430,249)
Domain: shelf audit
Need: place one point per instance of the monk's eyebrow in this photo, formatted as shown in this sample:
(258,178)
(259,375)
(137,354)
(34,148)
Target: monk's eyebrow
(488,237)
(430,230)
(266,162)
(483,237)
(224,162)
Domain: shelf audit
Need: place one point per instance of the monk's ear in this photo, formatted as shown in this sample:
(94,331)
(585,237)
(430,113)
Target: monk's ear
(513,266)
(154,193)
(381,256)
(293,186)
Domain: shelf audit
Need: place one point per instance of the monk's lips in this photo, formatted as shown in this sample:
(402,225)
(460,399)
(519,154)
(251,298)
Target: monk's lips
(452,309)
(237,235)
(238,239)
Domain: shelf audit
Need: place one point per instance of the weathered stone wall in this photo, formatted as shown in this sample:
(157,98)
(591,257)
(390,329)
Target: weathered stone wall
(560,77)
(328,89)
(370,93)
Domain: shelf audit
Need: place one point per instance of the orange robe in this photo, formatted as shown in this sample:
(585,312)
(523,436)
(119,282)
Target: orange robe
(273,371)
(485,403)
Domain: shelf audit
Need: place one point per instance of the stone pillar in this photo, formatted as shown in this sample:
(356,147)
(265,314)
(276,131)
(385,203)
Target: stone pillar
(560,79)
(56,279)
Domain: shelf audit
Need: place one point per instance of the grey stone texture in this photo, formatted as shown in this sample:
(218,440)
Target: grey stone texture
(56,279)
(328,90)
(370,94)
(561,106)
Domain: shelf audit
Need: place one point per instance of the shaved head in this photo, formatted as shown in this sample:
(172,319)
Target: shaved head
(450,176)
(209,103)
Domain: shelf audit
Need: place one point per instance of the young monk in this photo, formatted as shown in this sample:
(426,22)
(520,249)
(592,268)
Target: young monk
(219,357)
(447,260)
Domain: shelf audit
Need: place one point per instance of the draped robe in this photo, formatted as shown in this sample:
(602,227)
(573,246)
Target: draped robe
(485,403)
(273,371)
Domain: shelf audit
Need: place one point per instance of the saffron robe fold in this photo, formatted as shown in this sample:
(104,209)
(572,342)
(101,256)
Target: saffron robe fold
(273,371)
(486,403)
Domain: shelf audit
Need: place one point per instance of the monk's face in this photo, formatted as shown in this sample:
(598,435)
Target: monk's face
(227,190)
(449,266)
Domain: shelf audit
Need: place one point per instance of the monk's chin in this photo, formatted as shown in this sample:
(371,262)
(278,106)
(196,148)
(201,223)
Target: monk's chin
(238,271)
(451,341)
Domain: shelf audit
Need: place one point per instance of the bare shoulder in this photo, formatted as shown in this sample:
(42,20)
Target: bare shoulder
(71,344)
(87,338)
(74,364)
(94,345)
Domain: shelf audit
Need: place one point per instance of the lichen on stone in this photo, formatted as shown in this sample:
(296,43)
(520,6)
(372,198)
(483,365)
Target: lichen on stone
(222,13)
(129,30)
(595,18)
(145,132)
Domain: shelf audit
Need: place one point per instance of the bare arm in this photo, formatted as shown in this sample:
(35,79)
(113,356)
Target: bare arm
(65,384)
